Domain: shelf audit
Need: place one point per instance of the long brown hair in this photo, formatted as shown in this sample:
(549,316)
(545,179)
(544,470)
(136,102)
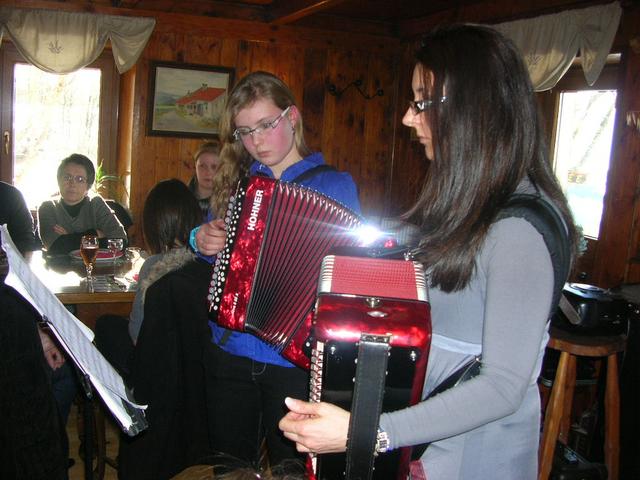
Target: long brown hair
(234,158)
(487,137)
(170,213)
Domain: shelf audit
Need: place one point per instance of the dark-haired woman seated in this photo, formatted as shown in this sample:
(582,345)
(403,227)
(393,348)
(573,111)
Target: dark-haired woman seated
(63,221)
(170,212)
(159,348)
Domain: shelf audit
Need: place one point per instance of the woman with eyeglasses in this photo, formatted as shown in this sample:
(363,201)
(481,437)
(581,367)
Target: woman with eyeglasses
(262,134)
(63,221)
(491,278)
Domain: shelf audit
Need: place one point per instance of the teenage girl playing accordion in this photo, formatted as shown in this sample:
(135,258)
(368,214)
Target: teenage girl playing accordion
(262,134)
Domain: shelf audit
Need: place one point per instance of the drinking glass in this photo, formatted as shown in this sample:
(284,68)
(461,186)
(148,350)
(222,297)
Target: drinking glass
(89,251)
(115,245)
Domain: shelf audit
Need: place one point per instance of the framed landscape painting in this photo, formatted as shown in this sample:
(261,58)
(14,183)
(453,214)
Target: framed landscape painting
(187,100)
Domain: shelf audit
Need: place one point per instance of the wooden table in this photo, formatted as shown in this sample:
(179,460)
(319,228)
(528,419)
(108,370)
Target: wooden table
(66,278)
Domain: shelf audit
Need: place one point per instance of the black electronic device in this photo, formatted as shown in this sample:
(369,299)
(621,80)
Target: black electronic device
(599,311)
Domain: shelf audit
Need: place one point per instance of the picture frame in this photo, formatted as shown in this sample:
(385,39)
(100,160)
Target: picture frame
(187,100)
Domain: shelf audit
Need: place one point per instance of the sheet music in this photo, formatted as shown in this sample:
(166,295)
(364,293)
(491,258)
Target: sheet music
(75,337)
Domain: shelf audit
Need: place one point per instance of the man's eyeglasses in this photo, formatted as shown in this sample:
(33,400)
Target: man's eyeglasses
(245,132)
(74,178)
(419,106)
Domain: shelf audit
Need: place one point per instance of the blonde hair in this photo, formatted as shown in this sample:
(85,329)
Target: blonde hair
(234,158)
(212,146)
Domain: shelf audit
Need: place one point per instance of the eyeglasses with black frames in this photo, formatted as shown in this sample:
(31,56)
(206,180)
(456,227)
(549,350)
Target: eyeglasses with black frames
(74,178)
(419,106)
(244,132)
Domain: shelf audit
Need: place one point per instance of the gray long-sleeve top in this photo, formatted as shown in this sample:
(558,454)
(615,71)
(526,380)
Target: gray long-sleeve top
(488,426)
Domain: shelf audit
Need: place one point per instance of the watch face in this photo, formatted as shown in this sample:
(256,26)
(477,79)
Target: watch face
(382,441)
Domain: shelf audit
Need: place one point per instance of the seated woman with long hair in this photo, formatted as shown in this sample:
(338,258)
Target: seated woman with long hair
(158,349)
(170,212)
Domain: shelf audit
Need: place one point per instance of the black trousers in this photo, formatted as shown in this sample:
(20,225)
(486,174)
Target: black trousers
(245,402)
(113,340)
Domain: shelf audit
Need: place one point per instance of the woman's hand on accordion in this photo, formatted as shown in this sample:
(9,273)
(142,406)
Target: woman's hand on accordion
(211,237)
(316,427)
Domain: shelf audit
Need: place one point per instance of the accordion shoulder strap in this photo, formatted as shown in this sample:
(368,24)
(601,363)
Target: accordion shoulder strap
(312,172)
(373,355)
(543,217)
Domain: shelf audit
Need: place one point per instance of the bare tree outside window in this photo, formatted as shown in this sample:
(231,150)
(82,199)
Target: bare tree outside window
(54,116)
(583,151)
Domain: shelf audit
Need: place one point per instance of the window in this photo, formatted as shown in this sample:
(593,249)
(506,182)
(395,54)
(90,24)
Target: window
(46,117)
(582,152)
(583,131)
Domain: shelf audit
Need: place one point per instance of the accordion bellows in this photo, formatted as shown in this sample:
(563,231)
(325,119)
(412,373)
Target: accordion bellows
(264,280)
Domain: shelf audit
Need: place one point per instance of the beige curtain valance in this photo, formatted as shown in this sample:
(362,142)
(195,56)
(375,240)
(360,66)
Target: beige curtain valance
(550,43)
(62,42)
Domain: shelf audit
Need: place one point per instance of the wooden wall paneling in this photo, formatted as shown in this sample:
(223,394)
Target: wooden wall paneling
(329,127)
(229,54)
(378,134)
(631,144)
(289,66)
(203,50)
(243,63)
(616,257)
(263,57)
(343,130)
(161,46)
(313,97)
(409,164)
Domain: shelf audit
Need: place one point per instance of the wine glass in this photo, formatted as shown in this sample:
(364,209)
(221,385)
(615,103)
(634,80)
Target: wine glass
(89,251)
(115,245)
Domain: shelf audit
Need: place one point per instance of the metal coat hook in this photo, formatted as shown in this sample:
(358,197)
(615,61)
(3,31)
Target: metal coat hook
(333,90)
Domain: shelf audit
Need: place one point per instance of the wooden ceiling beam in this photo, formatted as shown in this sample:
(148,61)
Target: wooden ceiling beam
(497,11)
(297,10)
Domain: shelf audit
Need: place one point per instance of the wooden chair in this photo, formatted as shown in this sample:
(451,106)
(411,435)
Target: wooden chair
(557,419)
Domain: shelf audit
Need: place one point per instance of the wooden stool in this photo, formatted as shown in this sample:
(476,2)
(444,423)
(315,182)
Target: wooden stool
(558,413)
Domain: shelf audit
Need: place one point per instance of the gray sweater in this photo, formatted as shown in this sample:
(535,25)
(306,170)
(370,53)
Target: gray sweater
(488,427)
(95,214)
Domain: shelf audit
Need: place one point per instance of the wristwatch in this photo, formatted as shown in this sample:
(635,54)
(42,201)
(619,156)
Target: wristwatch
(382,441)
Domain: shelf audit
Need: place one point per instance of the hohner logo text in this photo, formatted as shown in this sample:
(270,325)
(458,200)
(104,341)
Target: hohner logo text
(255,208)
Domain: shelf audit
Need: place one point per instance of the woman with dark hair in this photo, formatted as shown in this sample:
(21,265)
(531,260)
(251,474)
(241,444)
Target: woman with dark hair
(168,324)
(170,212)
(63,221)
(207,161)
(491,278)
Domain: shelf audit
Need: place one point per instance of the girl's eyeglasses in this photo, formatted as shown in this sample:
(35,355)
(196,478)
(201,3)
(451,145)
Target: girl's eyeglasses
(244,132)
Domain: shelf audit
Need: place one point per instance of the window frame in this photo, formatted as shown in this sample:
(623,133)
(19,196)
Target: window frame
(549,103)
(109,101)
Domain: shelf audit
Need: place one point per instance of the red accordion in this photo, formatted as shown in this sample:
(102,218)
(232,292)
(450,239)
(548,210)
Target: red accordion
(371,337)
(264,280)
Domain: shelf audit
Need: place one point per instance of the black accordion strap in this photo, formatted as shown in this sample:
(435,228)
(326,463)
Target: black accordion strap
(312,172)
(371,371)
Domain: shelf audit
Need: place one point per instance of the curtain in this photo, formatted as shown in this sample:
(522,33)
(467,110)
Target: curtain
(62,42)
(550,43)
